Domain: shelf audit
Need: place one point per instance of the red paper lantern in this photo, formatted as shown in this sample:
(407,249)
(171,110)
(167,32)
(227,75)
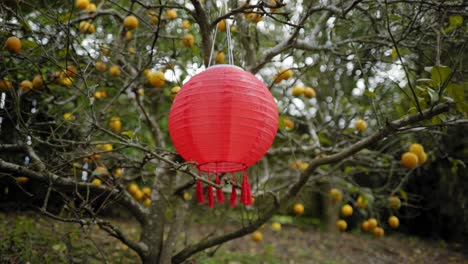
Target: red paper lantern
(225,120)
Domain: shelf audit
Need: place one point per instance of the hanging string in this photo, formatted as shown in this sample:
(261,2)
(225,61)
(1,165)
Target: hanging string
(229,39)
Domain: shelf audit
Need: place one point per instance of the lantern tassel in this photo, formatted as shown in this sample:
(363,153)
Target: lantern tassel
(246,195)
(210,194)
(233,198)
(219,191)
(199,191)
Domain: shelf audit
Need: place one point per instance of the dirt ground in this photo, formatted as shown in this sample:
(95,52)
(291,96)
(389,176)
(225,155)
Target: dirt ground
(30,238)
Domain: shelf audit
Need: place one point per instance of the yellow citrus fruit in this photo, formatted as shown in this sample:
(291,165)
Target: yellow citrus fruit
(393,221)
(114,71)
(346,210)
(409,160)
(101,66)
(418,149)
(174,91)
(91,7)
(157,79)
(115,124)
(147,203)
(128,36)
(365,226)
(13,44)
(186,24)
(394,202)
(131,51)
(101,171)
(372,223)
(297,90)
(336,195)
(309,92)
(153,17)
(283,74)
(25,86)
(298,209)
(221,26)
(66,81)
(96,181)
(257,236)
(187,196)
(171,14)
(5,85)
(276,226)
(133,188)
(146,191)
(138,195)
(37,82)
(68,117)
(188,40)
(84,26)
(288,123)
(82,4)
(362,202)
(22,179)
(118,172)
(360,125)
(220,57)
(378,232)
(341,225)
(130,22)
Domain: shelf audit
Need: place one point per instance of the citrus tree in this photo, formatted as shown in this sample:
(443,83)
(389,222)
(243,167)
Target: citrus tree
(363,90)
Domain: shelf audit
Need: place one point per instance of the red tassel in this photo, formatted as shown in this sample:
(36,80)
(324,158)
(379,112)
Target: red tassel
(246,195)
(219,191)
(210,195)
(199,191)
(233,198)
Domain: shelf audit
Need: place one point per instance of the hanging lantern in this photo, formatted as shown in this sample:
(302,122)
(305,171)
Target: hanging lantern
(223,119)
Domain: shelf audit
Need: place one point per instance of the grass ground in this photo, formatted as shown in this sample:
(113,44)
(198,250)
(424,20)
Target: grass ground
(34,239)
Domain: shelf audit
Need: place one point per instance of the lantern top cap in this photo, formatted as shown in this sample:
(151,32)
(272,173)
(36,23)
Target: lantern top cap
(224,66)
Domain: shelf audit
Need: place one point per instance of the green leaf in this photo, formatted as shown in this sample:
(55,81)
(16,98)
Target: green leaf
(455,21)
(456,92)
(27,44)
(369,94)
(440,74)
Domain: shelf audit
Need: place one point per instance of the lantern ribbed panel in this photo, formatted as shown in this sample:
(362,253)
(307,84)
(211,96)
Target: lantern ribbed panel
(224,119)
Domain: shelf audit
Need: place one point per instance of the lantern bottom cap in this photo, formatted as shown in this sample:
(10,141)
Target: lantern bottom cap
(222,166)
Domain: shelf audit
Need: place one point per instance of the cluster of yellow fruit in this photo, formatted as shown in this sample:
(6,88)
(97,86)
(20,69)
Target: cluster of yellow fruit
(308,92)
(257,236)
(87,27)
(371,225)
(219,56)
(301,165)
(102,173)
(414,157)
(155,78)
(86,5)
(141,195)
(283,74)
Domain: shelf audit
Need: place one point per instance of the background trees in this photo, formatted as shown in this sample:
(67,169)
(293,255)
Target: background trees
(93,119)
